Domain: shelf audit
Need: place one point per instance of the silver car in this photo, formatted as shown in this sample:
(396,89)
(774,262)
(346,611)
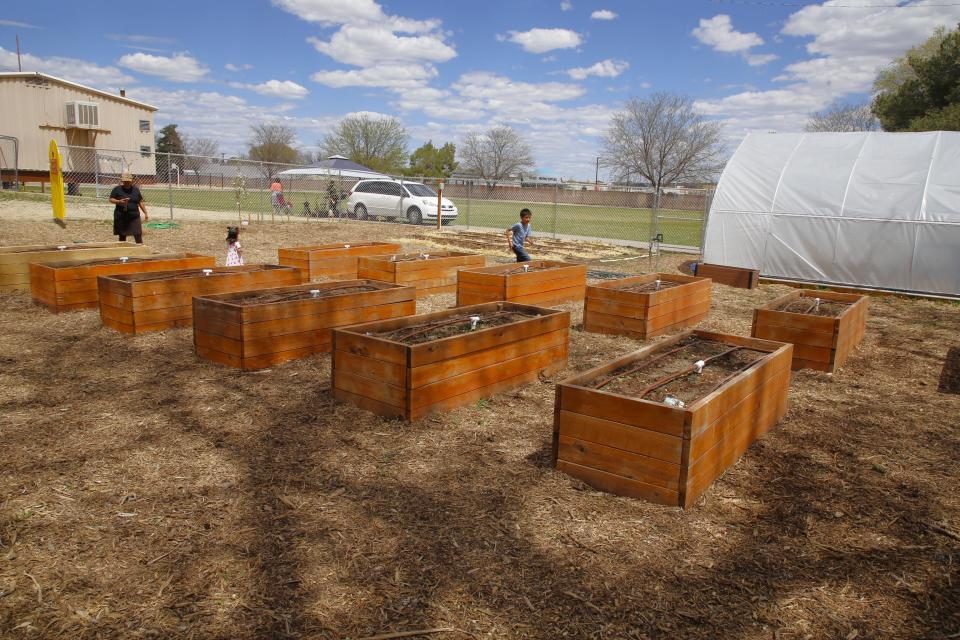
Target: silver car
(398,200)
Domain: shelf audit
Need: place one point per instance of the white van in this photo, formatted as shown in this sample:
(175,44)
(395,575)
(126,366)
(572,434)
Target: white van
(393,199)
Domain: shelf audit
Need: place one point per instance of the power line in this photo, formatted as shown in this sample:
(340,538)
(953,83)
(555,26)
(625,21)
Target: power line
(837,6)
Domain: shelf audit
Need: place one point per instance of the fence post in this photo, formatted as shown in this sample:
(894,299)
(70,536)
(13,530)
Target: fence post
(556,196)
(169,186)
(469,196)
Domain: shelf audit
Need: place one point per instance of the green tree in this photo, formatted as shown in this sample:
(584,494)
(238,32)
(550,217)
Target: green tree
(169,140)
(928,100)
(900,70)
(379,143)
(433,162)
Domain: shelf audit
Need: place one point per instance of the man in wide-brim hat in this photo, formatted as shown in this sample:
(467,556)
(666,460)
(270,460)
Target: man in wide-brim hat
(126,215)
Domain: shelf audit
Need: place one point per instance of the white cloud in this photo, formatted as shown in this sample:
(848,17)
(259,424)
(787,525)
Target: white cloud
(332,12)
(369,45)
(543,40)
(73,69)
(566,5)
(603,14)
(276,89)
(394,76)
(237,67)
(140,39)
(181,67)
(760,59)
(848,46)
(21,25)
(719,34)
(496,89)
(604,69)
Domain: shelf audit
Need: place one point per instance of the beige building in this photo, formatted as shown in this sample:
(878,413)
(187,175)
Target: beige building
(36,107)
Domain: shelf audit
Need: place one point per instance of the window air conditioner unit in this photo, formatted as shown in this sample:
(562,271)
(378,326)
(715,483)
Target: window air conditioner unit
(83,115)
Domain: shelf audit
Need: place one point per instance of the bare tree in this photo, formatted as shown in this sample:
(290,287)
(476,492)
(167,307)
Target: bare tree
(663,140)
(272,144)
(844,117)
(495,154)
(378,143)
(203,147)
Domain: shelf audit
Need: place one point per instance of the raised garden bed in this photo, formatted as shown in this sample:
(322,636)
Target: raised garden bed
(138,302)
(334,261)
(823,326)
(430,273)
(641,308)
(649,426)
(257,329)
(412,367)
(15,260)
(731,276)
(72,284)
(545,283)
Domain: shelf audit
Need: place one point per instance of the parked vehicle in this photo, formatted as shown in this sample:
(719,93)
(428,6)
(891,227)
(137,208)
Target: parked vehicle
(398,200)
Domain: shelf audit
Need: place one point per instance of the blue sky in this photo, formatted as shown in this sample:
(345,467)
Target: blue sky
(555,70)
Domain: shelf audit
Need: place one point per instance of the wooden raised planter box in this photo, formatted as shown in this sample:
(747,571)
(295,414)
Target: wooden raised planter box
(731,276)
(823,334)
(335,261)
(412,367)
(138,302)
(72,284)
(430,273)
(545,283)
(628,440)
(15,260)
(635,307)
(257,329)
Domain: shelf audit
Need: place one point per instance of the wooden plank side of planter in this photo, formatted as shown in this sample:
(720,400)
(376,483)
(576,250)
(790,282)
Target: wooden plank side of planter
(771,406)
(457,385)
(456,346)
(619,462)
(75,281)
(499,352)
(483,392)
(169,301)
(15,260)
(619,435)
(615,408)
(609,309)
(338,260)
(618,485)
(730,276)
(820,343)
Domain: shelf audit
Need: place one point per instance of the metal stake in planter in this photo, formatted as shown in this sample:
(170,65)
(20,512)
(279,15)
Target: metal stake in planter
(655,247)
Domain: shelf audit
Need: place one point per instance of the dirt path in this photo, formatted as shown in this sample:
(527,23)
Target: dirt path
(148,494)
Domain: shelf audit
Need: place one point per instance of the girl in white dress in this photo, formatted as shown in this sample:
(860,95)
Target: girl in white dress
(234,251)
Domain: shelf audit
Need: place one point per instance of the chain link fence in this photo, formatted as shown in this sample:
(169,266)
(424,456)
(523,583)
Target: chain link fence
(192,187)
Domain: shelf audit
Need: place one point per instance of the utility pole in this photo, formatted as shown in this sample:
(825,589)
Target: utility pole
(19,68)
(596,179)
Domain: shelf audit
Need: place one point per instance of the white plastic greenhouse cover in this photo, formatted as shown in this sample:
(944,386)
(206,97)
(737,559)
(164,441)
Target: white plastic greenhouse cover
(879,210)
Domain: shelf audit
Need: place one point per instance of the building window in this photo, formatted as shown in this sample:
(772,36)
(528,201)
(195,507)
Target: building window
(145,151)
(145,126)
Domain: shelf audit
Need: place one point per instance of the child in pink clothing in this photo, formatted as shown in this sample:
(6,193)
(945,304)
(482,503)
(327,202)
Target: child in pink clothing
(234,251)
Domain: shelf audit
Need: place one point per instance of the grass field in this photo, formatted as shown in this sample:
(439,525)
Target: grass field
(615,223)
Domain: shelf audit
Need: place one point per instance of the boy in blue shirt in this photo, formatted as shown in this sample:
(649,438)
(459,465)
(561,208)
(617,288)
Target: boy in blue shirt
(518,234)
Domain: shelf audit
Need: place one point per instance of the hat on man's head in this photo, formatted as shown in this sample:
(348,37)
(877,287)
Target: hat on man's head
(126,176)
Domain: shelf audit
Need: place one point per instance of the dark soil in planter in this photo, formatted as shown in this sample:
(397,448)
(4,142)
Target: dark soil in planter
(452,326)
(672,372)
(257,297)
(650,287)
(826,308)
